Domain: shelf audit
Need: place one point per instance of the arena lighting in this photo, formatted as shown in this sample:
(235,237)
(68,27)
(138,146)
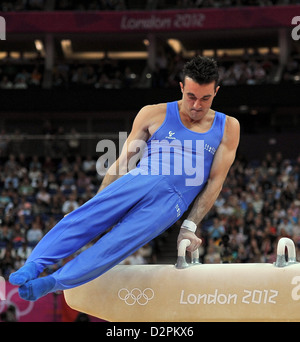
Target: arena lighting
(175,44)
(66,45)
(254,112)
(146,42)
(39,45)
(297,78)
(17,55)
(177,47)
(128,55)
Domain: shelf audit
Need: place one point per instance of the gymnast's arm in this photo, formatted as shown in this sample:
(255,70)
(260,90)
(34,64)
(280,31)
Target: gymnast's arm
(139,132)
(223,160)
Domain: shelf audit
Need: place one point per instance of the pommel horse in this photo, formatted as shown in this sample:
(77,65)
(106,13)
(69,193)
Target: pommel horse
(194,292)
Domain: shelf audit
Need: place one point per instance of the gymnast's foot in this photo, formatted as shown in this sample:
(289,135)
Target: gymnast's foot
(24,274)
(37,288)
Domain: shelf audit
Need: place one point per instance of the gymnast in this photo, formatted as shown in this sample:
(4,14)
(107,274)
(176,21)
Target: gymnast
(186,152)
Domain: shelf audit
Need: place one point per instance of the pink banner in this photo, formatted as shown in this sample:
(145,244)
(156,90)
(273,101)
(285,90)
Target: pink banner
(46,309)
(149,21)
(50,308)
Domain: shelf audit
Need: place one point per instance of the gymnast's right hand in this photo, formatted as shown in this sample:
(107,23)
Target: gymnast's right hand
(187,234)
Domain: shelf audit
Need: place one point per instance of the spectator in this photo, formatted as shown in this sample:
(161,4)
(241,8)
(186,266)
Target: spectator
(6,234)
(285,227)
(9,315)
(7,261)
(89,166)
(18,235)
(83,181)
(36,77)
(35,163)
(11,164)
(257,203)
(49,166)
(3,142)
(253,251)
(225,209)
(70,205)
(11,181)
(6,83)
(56,205)
(35,176)
(23,252)
(212,255)
(74,142)
(216,230)
(25,188)
(20,84)
(237,237)
(135,259)
(43,196)
(34,234)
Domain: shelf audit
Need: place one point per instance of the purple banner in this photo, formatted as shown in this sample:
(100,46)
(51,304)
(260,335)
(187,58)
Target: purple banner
(151,21)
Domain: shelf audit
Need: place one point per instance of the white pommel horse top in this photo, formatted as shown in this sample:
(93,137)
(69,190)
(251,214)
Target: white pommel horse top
(194,292)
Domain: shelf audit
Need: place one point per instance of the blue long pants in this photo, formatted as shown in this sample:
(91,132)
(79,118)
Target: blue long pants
(138,207)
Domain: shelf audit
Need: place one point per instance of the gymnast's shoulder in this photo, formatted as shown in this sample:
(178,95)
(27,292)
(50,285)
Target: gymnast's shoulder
(232,123)
(154,108)
(152,112)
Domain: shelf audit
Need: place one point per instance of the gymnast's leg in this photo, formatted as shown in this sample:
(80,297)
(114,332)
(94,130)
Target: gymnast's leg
(79,227)
(142,224)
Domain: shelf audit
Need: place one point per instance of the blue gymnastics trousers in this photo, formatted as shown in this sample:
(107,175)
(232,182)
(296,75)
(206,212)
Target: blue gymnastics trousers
(138,207)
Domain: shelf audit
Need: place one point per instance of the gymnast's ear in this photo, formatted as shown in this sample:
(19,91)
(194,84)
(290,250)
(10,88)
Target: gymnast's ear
(217,89)
(181,86)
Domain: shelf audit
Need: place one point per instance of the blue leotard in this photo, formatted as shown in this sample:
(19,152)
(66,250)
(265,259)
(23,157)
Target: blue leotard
(139,206)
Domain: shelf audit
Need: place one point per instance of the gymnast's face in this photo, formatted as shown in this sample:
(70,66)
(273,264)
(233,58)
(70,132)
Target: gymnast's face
(197,98)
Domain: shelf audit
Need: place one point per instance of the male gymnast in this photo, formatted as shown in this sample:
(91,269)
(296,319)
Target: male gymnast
(187,151)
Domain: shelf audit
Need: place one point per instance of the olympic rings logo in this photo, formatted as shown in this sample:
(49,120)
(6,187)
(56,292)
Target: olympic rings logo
(136,296)
(9,301)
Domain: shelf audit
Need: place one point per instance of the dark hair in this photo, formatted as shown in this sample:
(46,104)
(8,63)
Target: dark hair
(202,70)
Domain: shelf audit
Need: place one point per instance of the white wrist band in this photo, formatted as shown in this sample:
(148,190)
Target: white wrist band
(189,225)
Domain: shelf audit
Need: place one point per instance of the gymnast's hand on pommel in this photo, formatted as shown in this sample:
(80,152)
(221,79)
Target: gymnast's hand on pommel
(187,234)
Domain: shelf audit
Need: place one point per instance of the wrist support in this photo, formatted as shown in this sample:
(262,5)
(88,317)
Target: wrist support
(189,225)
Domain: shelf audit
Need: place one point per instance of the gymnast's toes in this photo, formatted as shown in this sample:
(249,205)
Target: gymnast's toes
(24,274)
(35,289)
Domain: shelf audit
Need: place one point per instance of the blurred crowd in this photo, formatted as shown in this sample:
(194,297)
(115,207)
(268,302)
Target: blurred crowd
(36,192)
(20,73)
(120,5)
(259,203)
(249,69)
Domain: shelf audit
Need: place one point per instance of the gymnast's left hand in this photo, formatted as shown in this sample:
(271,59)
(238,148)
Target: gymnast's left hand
(186,234)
